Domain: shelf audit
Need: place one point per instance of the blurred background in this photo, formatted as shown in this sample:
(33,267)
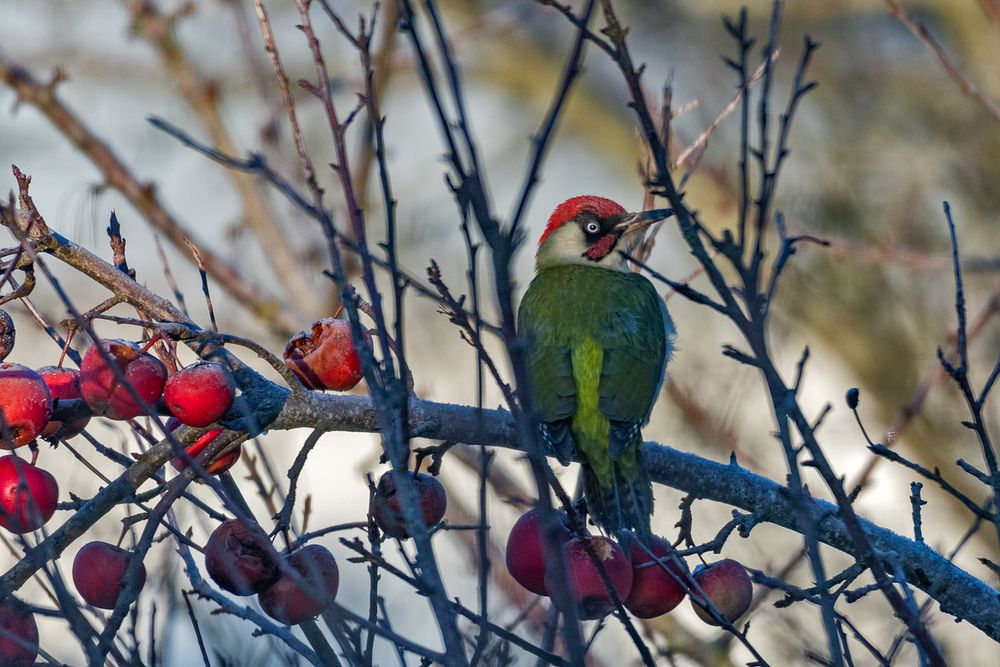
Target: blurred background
(887,136)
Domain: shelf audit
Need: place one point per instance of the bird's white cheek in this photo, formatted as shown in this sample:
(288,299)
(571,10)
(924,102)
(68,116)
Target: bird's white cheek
(565,245)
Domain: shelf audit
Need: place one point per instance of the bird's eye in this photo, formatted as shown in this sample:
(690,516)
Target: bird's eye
(592,227)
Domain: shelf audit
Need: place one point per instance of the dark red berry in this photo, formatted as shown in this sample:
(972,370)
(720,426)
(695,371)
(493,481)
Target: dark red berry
(656,586)
(385,508)
(18,634)
(325,358)
(198,395)
(109,397)
(525,550)
(585,584)
(28,495)
(99,573)
(25,404)
(238,560)
(291,603)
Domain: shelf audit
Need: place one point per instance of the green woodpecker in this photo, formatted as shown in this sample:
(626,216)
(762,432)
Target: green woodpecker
(600,338)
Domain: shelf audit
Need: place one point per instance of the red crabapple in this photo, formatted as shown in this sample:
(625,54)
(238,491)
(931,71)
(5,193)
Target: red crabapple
(385,507)
(28,495)
(727,586)
(199,394)
(525,550)
(25,403)
(655,590)
(585,584)
(288,602)
(325,357)
(18,634)
(216,466)
(101,388)
(99,573)
(238,560)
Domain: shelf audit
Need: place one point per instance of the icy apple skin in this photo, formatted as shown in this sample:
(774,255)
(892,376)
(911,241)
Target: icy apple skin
(200,394)
(25,403)
(109,397)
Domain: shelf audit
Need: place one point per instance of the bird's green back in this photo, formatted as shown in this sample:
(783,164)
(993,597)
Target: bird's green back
(600,339)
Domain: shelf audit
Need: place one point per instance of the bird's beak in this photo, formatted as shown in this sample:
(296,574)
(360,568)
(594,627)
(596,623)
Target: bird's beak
(632,222)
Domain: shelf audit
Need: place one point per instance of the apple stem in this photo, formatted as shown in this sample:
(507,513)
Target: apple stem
(69,339)
(151,342)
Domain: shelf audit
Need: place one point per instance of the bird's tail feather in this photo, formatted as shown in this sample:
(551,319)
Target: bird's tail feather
(623,506)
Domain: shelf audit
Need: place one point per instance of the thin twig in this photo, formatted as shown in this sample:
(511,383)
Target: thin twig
(968,88)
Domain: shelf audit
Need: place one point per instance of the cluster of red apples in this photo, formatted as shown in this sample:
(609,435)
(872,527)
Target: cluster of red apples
(297,587)
(651,580)
(290,589)
(117,380)
(120,380)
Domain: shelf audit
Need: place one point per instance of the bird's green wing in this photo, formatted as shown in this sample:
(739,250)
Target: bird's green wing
(637,344)
(551,372)
(552,379)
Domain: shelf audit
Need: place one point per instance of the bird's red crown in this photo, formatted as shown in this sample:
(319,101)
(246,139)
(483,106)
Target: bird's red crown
(569,209)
